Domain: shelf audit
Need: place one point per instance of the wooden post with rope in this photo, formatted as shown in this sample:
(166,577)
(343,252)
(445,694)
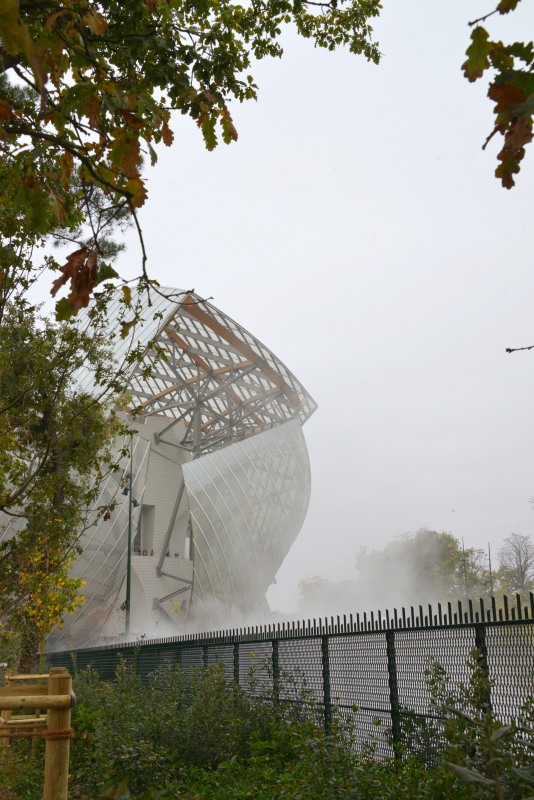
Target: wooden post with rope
(56,777)
(57,699)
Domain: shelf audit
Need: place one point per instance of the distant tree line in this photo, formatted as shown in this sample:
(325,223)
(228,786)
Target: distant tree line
(421,567)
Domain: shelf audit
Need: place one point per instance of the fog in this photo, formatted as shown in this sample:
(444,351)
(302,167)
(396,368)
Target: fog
(357,229)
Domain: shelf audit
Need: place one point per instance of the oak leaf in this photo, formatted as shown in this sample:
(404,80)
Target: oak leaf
(477,54)
(82,270)
(105,273)
(132,120)
(125,154)
(138,192)
(513,150)
(507,5)
(126,327)
(74,262)
(167,135)
(93,111)
(229,131)
(66,163)
(505,95)
(519,134)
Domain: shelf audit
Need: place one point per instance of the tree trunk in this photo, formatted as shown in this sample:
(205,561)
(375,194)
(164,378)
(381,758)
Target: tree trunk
(28,652)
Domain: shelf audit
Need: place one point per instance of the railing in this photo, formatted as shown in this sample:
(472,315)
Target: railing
(367,668)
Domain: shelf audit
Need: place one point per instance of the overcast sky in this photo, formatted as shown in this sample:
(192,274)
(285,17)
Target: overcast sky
(358,230)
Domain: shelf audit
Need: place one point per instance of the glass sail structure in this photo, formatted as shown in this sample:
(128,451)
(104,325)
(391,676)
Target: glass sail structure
(220,471)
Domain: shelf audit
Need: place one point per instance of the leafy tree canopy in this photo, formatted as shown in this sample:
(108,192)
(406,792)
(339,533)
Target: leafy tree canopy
(57,442)
(416,568)
(424,566)
(87,90)
(516,564)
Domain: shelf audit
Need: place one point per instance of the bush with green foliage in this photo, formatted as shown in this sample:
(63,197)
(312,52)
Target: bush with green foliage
(194,735)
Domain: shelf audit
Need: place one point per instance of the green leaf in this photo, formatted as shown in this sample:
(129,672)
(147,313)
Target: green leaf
(64,310)
(126,326)
(522,50)
(208,131)
(525,108)
(105,273)
(507,5)
(477,54)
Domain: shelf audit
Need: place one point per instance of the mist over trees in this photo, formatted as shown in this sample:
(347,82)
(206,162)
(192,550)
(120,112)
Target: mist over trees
(516,558)
(423,567)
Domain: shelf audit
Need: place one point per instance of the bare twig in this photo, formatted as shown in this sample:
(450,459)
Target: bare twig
(517,349)
(484,18)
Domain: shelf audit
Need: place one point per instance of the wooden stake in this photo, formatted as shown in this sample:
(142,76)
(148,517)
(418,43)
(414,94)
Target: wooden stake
(56,774)
(4,740)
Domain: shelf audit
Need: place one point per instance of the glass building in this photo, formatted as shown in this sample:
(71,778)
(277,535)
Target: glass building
(220,477)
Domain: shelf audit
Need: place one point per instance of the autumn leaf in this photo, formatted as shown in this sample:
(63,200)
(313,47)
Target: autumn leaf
(82,270)
(83,282)
(58,204)
(477,54)
(125,154)
(93,111)
(6,112)
(505,95)
(229,131)
(16,38)
(519,134)
(513,150)
(138,192)
(132,120)
(74,262)
(96,23)
(167,135)
(127,292)
(66,163)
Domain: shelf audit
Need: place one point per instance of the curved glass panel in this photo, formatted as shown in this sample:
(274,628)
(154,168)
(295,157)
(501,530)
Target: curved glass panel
(247,502)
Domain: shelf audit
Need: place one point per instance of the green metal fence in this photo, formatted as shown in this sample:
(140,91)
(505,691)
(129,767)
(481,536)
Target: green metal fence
(368,669)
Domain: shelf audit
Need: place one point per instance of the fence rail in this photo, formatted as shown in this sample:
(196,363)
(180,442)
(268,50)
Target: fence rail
(369,668)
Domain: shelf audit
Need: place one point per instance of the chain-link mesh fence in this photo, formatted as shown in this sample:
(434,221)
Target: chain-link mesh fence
(381,674)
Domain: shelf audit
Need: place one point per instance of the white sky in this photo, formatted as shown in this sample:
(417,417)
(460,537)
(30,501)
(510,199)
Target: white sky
(357,229)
